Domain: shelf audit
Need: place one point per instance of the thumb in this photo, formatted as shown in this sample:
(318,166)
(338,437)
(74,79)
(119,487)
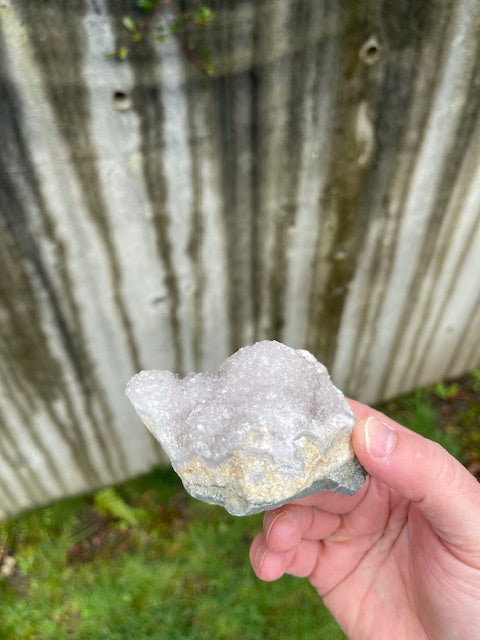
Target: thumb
(422,471)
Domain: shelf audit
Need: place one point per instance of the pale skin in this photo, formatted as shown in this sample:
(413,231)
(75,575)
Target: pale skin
(399,559)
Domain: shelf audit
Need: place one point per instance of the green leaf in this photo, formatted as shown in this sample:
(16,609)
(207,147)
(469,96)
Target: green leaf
(122,53)
(129,24)
(446,391)
(204,15)
(107,501)
(147,5)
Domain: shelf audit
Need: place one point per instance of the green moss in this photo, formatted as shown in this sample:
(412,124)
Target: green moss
(181,571)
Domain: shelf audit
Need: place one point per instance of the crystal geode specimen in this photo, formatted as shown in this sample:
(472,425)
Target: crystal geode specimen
(267,428)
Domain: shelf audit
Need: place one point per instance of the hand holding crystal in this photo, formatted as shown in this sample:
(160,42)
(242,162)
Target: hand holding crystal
(400,558)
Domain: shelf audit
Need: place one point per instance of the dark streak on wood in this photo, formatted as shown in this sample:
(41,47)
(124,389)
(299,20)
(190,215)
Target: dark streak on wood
(450,166)
(59,51)
(147,102)
(404,28)
(195,93)
(340,225)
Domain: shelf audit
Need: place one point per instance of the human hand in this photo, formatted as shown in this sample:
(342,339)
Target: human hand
(399,559)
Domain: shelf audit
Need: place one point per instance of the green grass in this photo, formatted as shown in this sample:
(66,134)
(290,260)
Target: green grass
(420,414)
(446,412)
(181,571)
(144,560)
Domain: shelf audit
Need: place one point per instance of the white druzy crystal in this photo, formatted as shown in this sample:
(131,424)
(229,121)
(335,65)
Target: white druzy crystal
(267,428)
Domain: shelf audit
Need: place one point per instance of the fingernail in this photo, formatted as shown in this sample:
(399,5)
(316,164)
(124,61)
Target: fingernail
(260,556)
(379,438)
(274,520)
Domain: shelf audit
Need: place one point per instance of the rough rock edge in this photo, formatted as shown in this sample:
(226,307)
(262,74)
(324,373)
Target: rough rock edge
(350,468)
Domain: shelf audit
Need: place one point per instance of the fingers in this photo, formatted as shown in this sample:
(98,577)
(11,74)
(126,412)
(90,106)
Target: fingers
(268,565)
(285,527)
(291,541)
(422,471)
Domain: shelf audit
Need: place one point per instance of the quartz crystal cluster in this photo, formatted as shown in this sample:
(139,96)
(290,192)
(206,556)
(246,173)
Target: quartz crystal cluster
(267,428)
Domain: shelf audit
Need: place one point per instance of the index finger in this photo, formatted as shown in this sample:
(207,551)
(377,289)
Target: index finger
(287,526)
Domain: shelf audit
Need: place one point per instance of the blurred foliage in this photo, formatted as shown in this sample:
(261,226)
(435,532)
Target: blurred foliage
(144,560)
(162,20)
(108,502)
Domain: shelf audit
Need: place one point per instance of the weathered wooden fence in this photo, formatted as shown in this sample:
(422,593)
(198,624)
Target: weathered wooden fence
(320,187)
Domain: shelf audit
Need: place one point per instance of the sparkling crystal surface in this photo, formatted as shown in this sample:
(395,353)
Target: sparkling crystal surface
(267,428)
